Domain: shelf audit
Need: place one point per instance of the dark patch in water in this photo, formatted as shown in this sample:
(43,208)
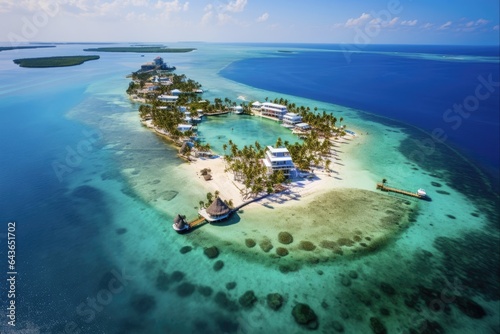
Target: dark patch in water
(168,195)
(121,230)
(451,216)
(205,290)
(185,289)
(227,325)
(442,192)
(162,281)
(224,302)
(436,184)
(185,249)
(143,303)
(177,276)
(88,192)
(474,259)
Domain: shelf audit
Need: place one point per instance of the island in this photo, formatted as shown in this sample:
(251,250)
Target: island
(10,48)
(58,61)
(141,49)
(274,185)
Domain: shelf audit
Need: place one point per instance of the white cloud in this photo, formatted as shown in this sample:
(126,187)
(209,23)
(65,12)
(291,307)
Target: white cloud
(428,25)
(235,6)
(357,21)
(207,17)
(208,8)
(263,17)
(224,18)
(497,27)
(391,23)
(445,26)
(410,23)
(6,6)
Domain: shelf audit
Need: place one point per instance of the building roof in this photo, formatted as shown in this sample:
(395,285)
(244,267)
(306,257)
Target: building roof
(256,104)
(278,149)
(218,208)
(179,221)
(273,105)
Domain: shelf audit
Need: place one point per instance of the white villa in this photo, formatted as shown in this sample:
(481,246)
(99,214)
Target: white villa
(176,92)
(273,110)
(290,119)
(184,127)
(278,159)
(168,98)
(237,109)
(302,127)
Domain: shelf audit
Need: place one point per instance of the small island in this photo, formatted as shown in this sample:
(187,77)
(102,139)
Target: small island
(10,48)
(141,49)
(59,61)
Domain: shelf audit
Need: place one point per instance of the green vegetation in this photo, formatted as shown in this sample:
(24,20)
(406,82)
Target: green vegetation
(9,48)
(54,61)
(247,168)
(141,49)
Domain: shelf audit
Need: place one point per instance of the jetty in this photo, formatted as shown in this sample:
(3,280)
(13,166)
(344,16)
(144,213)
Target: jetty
(383,187)
(197,222)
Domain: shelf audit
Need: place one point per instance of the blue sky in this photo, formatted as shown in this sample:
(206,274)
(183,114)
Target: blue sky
(313,21)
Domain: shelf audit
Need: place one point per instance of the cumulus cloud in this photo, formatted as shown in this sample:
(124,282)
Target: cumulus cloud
(353,22)
(428,25)
(263,17)
(235,6)
(410,23)
(446,25)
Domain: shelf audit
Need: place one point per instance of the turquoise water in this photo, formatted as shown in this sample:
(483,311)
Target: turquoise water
(96,252)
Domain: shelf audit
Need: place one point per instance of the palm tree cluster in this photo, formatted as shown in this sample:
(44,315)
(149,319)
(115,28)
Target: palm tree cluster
(247,167)
(312,152)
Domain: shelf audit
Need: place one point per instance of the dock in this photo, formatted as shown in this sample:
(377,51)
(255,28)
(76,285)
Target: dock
(197,222)
(383,187)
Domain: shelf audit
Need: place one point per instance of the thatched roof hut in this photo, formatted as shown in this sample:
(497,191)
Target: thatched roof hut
(218,208)
(179,222)
(207,177)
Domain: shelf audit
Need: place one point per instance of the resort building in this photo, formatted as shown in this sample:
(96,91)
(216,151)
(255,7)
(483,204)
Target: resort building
(176,92)
(278,158)
(218,210)
(290,119)
(301,127)
(273,110)
(184,127)
(168,98)
(237,109)
(256,105)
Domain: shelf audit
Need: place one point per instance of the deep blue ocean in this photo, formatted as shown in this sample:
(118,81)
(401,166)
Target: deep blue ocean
(434,88)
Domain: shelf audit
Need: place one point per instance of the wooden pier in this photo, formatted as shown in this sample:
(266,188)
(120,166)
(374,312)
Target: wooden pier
(383,187)
(197,222)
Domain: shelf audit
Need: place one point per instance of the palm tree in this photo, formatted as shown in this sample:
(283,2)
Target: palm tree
(216,193)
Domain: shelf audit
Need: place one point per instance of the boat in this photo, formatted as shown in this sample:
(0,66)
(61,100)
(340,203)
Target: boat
(421,192)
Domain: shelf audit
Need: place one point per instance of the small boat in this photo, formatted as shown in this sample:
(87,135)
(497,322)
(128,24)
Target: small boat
(421,192)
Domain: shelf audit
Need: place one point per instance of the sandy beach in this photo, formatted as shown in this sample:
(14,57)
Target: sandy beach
(335,214)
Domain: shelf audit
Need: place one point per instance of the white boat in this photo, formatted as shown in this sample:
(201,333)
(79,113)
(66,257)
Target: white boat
(421,192)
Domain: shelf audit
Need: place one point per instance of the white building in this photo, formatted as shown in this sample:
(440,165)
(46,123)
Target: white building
(184,127)
(290,119)
(302,127)
(278,159)
(176,92)
(168,98)
(237,109)
(273,110)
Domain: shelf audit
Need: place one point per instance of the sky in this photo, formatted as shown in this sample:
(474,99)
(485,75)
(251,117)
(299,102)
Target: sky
(459,22)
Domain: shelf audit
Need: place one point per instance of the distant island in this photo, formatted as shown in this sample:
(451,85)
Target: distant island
(145,49)
(59,61)
(9,48)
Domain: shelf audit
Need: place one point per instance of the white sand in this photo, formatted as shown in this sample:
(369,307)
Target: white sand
(345,173)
